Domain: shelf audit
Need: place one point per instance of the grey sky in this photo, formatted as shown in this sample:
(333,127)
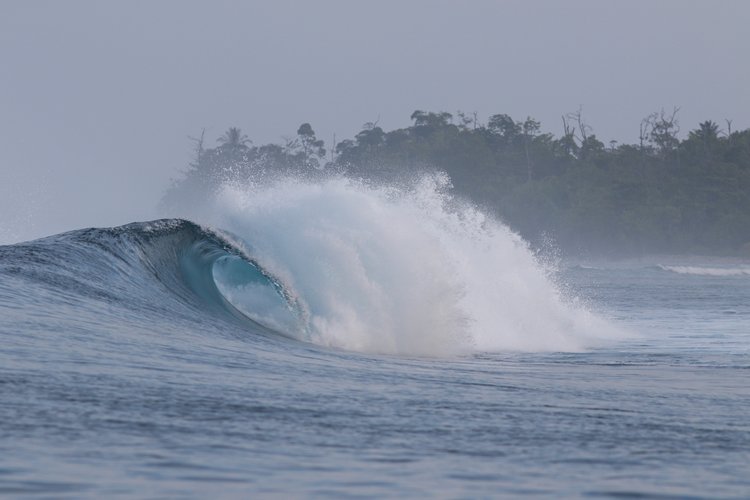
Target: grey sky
(97,98)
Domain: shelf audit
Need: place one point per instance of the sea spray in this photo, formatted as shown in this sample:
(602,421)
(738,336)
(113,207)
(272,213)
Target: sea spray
(400,270)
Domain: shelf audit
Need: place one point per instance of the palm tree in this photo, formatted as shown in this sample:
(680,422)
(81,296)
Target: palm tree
(707,131)
(233,138)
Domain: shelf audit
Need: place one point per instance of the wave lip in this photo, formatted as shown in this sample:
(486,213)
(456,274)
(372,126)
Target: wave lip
(216,268)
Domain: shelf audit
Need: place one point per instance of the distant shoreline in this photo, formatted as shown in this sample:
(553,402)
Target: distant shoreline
(664,195)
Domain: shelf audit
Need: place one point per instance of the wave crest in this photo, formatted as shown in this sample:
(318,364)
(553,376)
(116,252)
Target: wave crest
(407,270)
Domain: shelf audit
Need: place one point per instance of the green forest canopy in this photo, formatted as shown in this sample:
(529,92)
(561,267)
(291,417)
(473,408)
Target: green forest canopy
(661,195)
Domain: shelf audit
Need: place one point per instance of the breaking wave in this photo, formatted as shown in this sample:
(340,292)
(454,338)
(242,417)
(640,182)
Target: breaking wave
(409,271)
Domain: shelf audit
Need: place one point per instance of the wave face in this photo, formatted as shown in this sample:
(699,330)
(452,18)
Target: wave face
(339,264)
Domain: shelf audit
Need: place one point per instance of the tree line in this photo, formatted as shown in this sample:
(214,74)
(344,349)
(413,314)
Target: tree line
(662,194)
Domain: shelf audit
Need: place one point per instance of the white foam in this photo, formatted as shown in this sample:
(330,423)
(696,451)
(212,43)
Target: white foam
(708,271)
(403,271)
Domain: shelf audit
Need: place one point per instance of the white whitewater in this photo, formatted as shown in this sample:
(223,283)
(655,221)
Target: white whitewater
(402,270)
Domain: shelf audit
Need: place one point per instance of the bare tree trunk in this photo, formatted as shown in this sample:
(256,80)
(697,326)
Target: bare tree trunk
(528,157)
(198,147)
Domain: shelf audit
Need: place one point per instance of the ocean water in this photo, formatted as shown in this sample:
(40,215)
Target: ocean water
(340,340)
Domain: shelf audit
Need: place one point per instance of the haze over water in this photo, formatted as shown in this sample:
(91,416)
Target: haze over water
(98,100)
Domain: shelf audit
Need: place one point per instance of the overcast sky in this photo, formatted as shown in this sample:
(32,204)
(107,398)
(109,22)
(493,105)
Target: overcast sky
(97,98)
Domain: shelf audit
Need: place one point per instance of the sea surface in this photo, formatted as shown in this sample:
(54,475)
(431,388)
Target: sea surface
(168,359)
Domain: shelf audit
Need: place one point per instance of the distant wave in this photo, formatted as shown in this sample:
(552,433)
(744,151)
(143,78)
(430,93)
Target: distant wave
(707,271)
(585,267)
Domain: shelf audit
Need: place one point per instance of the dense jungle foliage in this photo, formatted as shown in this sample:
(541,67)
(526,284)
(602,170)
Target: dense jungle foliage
(661,195)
